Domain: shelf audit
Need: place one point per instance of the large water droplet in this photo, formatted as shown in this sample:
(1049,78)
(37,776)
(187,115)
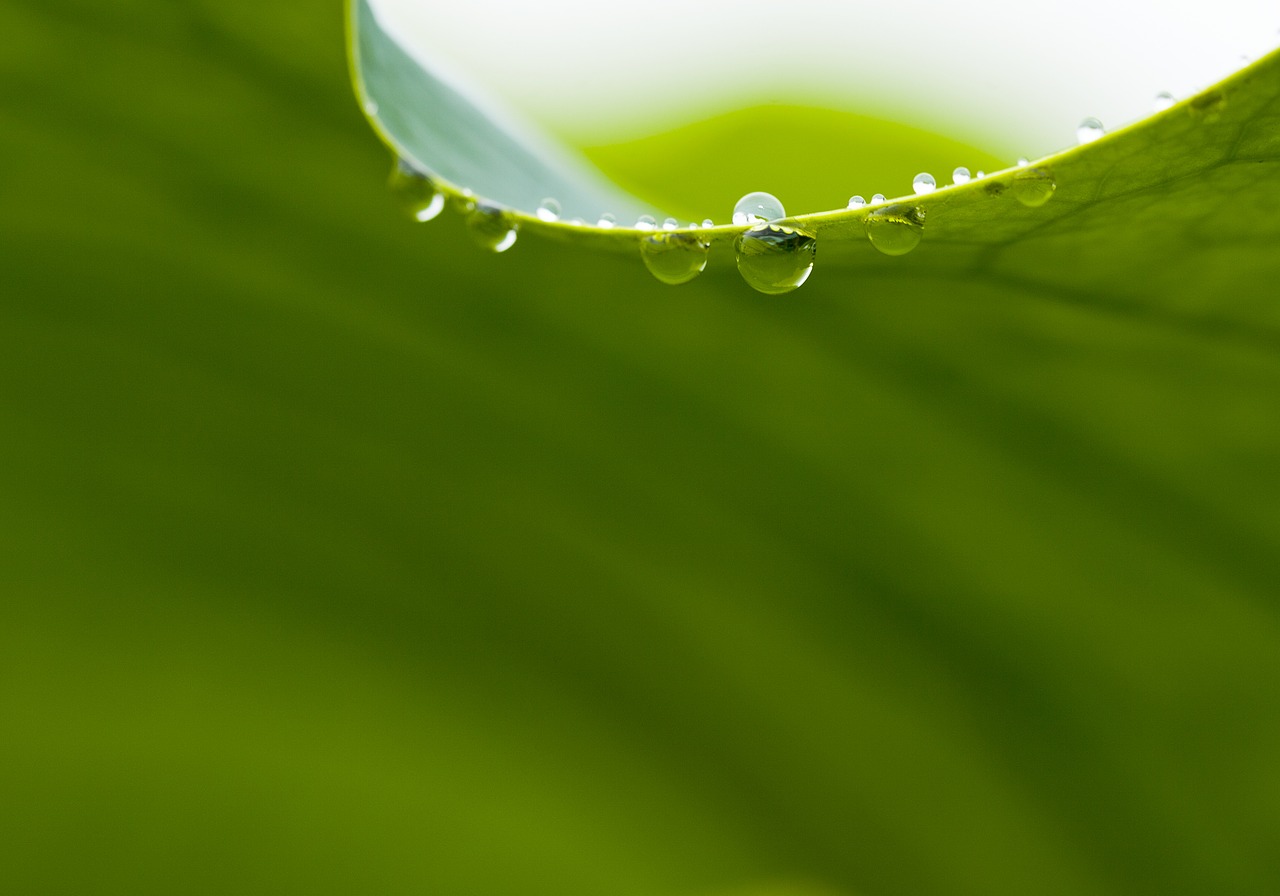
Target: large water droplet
(1090,129)
(960,176)
(670,224)
(856,202)
(774,259)
(1164,100)
(1033,187)
(548,210)
(674,257)
(646,222)
(492,227)
(895,230)
(607,221)
(757,208)
(924,183)
(877,199)
(416,193)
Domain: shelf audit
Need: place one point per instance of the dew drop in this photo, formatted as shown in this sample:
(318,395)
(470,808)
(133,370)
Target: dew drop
(463,202)
(895,230)
(1208,105)
(416,193)
(757,208)
(1090,129)
(607,221)
(646,222)
(877,199)
(674,258)
(670,224)
(775,259)
(370,108)
(980,175)
(492,227)
(856,202)
(1023,162)
(548,210)
(1164,100)
(1033,187)
(961,175)
(577,222)
(924,183)
(707,222)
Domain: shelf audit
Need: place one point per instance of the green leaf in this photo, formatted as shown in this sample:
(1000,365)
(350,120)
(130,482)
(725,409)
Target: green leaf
(337,555)
(1166,169)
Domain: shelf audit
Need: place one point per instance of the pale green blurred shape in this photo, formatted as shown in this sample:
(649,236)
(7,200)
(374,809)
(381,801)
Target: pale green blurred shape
(338,556)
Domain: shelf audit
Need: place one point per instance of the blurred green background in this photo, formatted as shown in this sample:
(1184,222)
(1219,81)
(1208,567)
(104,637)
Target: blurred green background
(340,557)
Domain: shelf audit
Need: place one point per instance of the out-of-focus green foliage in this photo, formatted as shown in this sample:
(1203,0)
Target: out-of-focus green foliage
(338,556)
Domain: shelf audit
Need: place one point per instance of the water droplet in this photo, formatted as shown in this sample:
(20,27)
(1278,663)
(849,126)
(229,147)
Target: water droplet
(707,222)
(980,175)
(606,221)
(1208,105)
(548,210)
(674,257)
(757,208)
(492,227)
(646,222)
(1163,100)
(670,224)
(416,193)
(924,183)
(877,199)
(774,259)
(1090,129)
(463,202)
(370,108)
(895,230)
(961,175)
(1033,187)
(856,202)
(1023,162)
(577,222)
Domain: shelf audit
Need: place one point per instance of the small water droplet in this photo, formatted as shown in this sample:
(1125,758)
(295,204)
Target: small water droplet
(774,259)
(674,258)
(548,210)
(607,221)
(370,108)
(707,222)
(961,175)
(463,202)
(980,175)
(1163,100)
(646,222)
(416,193)
(757,208)
(670,224)
(877,199)
(492,227)
(924,183)
(1023,162)
(1208,105)
(856,202)
(577,222)
(1033,187)
(1090,129)
(895,230)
